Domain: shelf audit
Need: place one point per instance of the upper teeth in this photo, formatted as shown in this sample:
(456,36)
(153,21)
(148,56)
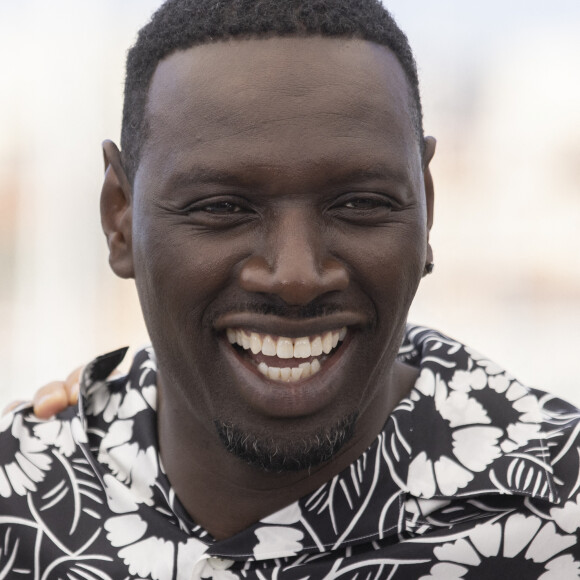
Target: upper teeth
(284,347)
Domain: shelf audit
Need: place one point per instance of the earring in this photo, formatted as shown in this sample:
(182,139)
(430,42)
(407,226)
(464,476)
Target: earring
(428,268)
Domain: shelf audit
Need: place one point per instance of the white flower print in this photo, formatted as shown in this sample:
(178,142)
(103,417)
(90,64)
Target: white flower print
(465,381)
(208,573)
(286,516)
(527,427)
(118,405)
(125,530)
(461,410)
(446,571)
(568,516)
(476,447)
(125,404)
(102,402)
(152,557)
(130,463)
(30,462)
(188,554)
(147,555)
(491,368)
(208,570)
(474,442)
(119,498)
(424,474)
(64,435)
(490,546)
(526,405)
(277,542)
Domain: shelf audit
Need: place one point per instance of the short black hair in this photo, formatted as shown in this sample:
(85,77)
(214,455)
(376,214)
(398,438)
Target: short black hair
(181,24)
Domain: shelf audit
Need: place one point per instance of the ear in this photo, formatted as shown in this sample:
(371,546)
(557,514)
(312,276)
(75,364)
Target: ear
(429,152)
(116,212)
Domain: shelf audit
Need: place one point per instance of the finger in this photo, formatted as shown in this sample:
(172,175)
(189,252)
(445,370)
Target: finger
(50,400)
(72,386)
(11,407)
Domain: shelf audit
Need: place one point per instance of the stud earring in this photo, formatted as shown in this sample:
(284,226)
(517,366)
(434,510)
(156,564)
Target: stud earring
(428,268)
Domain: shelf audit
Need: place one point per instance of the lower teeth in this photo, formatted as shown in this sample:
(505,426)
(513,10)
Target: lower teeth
(288,374)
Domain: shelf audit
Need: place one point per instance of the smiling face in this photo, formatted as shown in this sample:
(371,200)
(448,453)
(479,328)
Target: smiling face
(279,233)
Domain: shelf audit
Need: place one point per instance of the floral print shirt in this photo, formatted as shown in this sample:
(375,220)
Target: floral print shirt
(473,476)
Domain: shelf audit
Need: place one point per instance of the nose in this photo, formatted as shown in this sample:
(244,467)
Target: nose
(294,264)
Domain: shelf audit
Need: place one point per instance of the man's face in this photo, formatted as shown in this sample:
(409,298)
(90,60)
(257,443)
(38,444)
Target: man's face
(278,208)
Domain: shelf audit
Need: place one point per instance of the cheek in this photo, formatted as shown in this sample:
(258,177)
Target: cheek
(388,262)
(178,269)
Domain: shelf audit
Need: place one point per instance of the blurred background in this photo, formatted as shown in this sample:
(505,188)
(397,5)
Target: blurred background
(501,91)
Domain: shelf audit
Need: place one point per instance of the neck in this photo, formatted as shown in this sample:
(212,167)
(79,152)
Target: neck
(223,494)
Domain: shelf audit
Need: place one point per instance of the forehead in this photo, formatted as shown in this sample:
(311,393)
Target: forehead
(271,100)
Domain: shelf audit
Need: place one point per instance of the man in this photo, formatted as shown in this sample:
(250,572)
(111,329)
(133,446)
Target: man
(273,202)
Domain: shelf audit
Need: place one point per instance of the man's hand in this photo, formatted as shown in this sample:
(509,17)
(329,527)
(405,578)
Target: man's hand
(53,397)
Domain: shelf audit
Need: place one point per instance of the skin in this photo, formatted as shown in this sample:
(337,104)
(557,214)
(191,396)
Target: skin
(53,397)
(281,173)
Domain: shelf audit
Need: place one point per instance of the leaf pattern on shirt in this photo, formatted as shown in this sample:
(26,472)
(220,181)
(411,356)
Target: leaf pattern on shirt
(472,474)
(25,461)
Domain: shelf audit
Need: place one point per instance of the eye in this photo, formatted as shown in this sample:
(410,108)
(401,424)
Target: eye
(217,213)
(367,203)
(365,208)
(220,207)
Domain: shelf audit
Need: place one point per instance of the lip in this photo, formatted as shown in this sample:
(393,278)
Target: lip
(277,326)
(293,399)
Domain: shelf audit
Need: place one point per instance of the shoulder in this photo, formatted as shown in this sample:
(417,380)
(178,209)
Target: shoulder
(30,448)
(499,434)
(64,481)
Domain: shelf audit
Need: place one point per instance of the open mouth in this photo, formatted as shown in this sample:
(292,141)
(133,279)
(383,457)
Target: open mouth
(286,359)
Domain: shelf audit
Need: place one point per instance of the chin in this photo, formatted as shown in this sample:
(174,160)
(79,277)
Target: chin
(296,452)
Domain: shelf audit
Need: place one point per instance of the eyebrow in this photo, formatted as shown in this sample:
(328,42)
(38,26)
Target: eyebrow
(198,174)
(379,171)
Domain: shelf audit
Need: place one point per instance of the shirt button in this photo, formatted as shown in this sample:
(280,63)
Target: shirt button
(220,563)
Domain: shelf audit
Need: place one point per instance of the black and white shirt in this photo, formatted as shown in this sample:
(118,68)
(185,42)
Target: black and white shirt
(473,476)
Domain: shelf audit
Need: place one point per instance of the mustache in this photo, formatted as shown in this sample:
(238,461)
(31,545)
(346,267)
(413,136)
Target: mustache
(305,312)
